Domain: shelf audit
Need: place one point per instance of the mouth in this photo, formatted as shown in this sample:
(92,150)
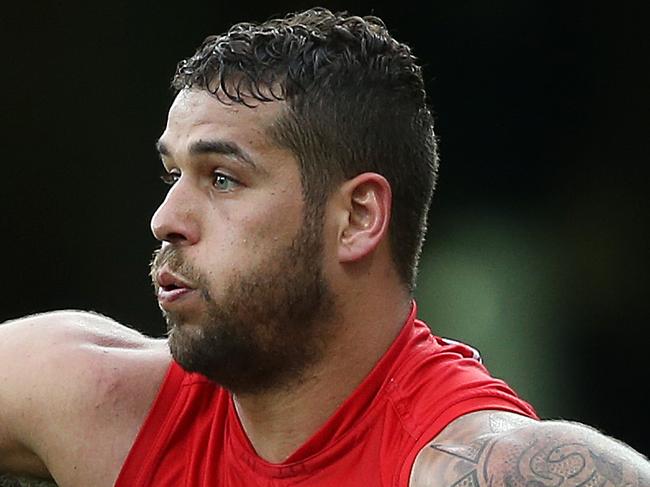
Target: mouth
(171,287)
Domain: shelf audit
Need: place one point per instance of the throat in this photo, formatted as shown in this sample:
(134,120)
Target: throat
(284,422)
(278,425)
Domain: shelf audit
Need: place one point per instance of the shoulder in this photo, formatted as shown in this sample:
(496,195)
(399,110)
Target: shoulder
(45,336)
(500,449)
(68,376)
(63,354)
(40,348)
(54,354)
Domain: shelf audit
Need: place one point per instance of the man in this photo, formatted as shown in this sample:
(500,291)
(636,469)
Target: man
(301,159)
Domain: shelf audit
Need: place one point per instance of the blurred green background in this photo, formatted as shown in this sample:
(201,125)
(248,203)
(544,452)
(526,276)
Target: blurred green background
(537,252)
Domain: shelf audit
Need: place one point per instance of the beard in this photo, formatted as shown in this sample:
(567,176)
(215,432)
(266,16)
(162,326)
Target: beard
(268,326)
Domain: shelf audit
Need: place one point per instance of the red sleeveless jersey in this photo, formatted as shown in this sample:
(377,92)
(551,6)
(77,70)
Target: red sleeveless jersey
(193,437)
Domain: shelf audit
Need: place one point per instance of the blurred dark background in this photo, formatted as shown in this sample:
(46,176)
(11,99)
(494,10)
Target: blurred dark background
(537,251)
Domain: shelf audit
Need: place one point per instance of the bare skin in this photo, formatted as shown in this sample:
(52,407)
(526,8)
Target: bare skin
(88,396)
(75,387)
(499,449)
(74,390)
(226,231)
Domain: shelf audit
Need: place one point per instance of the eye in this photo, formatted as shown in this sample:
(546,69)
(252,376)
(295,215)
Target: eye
(223,182)
(170,177)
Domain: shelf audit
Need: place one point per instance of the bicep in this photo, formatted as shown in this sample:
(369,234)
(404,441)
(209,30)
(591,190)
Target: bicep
(537,453)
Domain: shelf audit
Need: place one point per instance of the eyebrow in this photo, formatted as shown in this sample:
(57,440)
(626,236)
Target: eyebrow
(219,147)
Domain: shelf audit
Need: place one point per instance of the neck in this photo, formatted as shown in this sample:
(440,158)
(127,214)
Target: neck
(277,423)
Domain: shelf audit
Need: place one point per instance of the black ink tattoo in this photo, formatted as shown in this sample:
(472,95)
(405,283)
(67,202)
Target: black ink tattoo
(471,453)
(538,455)
(469,480)
(11,481)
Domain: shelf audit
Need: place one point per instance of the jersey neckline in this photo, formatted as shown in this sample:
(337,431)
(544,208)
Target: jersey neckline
(345,423)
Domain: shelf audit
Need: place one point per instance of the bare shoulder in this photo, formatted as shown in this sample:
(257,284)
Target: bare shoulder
(70,380)
(64,349)
(500,449)
(71,324)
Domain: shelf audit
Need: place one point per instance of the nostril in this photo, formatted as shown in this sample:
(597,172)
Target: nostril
(174,237)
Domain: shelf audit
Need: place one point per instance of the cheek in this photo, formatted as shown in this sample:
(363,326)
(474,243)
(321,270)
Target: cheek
(241,233)
(246,243)
(276,221)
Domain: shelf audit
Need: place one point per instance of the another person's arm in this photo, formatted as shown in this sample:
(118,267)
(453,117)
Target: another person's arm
(12,481)
(25,348)
(74,390)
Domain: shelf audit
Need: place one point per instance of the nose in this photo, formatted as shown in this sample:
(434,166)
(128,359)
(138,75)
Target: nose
(175,219)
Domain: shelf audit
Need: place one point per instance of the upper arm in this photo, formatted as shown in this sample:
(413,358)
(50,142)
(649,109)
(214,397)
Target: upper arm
(44,360)
(24,361)
(526,453)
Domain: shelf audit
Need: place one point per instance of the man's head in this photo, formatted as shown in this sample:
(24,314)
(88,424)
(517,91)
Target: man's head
(239,276)
(355,103)
(289,146)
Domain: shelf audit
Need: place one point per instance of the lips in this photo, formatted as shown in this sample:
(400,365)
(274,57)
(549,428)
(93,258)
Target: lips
(170,287)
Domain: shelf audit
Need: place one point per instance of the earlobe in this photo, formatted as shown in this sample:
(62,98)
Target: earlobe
(367,202)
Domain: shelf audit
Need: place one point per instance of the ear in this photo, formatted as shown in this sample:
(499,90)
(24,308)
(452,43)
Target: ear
(364,215)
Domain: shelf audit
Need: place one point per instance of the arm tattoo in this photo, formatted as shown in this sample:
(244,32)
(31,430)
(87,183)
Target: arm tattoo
(538,456)
(10,481)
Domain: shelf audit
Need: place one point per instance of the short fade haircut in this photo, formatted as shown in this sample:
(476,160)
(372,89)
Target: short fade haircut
(355,103)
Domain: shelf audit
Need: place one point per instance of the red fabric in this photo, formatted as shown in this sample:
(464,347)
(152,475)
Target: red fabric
(193,437)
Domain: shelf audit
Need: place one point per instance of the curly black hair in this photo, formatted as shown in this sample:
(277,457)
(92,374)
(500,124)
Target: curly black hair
(355,102)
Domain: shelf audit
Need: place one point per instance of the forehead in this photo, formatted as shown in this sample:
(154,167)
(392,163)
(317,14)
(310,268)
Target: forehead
(198,115)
